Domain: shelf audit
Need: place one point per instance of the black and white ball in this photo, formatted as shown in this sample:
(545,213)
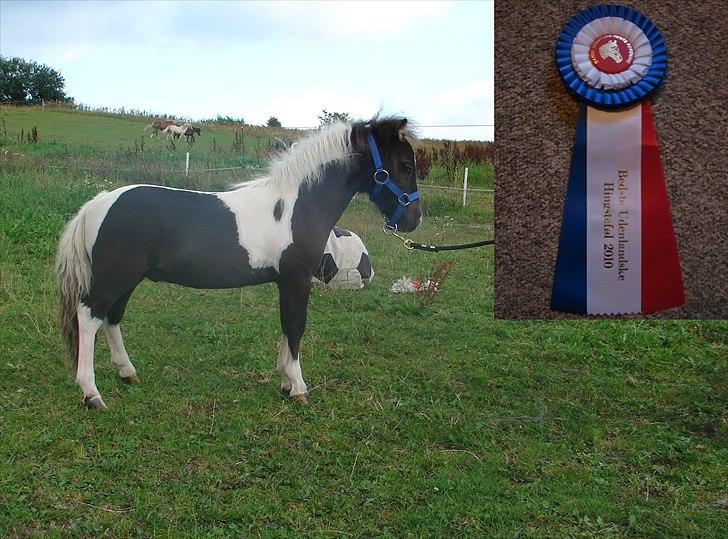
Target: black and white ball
(345,263)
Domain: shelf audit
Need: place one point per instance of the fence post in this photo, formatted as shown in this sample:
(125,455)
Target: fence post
(465,186)
(187,164)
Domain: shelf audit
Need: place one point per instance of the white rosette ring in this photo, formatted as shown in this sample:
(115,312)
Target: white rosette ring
(611,56)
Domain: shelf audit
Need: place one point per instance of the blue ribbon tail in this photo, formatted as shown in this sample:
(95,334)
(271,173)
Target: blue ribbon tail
(569,288)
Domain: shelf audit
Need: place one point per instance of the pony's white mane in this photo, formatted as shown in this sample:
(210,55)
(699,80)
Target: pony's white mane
(304,162)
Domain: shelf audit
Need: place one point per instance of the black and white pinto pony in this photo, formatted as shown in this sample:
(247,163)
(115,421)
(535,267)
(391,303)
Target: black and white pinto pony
(272,229)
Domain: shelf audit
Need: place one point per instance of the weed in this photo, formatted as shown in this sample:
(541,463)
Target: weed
(238,145)
(431,283)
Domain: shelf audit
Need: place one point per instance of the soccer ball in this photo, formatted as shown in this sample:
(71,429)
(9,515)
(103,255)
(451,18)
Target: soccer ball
(345,263)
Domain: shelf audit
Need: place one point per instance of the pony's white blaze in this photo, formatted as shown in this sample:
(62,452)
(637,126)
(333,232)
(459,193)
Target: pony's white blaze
(259,233)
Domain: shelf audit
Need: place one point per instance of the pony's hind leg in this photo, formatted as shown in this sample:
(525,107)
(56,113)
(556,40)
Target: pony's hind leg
(87,328)
(119,357)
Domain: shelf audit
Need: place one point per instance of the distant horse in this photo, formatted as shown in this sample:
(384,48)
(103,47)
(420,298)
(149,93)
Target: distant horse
(174,132)
(159,125)
(272,229)
(190,134)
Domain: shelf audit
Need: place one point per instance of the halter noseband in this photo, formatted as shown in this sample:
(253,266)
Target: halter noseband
(403,199)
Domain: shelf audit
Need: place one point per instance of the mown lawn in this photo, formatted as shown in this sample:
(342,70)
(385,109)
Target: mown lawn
(424,421)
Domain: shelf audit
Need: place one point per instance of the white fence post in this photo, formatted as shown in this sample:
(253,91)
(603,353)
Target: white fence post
(465,186)
(187,164)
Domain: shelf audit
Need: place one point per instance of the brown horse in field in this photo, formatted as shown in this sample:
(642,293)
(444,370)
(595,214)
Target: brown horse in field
(160,125)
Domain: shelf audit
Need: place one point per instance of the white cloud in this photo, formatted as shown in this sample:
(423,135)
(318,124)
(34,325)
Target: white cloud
(475,97)
(74,51)
(357,19)
(137,22)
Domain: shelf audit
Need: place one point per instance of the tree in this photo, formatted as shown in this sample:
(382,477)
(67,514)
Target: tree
(274,122)
(22,80)
(327,117)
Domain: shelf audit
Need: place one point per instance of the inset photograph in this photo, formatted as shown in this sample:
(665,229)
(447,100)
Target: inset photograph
(611,186)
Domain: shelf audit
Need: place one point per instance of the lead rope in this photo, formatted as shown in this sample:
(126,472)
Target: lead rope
(409,244)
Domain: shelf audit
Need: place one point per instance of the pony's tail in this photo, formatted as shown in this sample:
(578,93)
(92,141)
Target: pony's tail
(73,267)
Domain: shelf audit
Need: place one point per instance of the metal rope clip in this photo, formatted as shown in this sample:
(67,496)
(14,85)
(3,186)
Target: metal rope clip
(392,231)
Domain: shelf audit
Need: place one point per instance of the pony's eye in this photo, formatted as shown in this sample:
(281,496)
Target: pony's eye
(405,168)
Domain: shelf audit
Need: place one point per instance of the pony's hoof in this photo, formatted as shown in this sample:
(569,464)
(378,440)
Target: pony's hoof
(133,379)
(94,403)
(301,398)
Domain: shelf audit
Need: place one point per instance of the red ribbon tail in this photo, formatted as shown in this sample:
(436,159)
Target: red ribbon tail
(662,285)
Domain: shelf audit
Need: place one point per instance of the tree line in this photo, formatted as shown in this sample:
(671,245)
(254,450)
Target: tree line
(30,82)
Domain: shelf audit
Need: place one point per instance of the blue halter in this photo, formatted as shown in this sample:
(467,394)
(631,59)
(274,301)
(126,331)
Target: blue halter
(403,199)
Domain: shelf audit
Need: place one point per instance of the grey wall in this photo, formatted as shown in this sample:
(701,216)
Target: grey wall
(535,121)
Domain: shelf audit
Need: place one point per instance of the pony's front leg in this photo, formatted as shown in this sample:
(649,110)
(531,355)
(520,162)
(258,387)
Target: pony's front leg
(87,328)
(281,366)
(294,295)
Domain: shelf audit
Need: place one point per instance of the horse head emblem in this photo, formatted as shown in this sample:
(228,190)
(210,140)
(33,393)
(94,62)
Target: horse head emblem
(611,50)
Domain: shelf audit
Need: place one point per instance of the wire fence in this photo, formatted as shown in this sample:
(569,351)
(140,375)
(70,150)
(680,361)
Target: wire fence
(163,170)
(245,167)
(444,187)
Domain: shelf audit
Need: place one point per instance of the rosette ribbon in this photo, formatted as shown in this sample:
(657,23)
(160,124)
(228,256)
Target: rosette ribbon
(617,251)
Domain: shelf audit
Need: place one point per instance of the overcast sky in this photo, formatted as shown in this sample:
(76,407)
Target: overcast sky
(432,61)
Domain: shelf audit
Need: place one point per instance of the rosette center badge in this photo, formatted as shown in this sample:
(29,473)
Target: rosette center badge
(617,251)
(611,53)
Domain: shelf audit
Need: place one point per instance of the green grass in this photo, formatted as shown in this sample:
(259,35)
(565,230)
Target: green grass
(436,421)
(479,176)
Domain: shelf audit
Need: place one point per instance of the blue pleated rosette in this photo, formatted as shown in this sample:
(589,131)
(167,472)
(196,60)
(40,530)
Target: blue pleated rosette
(611,56)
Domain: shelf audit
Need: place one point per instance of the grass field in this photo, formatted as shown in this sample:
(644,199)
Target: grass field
(424,420)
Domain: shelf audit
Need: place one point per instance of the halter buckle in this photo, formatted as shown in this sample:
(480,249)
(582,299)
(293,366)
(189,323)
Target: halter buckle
(405,200)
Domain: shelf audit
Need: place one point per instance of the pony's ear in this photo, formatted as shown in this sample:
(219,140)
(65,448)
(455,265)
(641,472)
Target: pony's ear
(395,128)
(402,129)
